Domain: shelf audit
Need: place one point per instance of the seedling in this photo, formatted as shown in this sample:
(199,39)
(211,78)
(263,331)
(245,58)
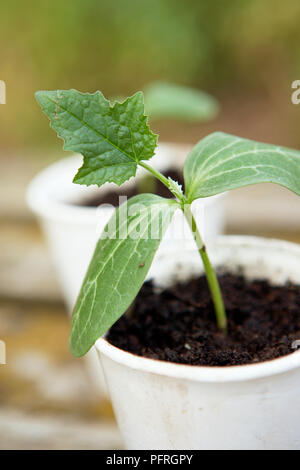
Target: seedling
(114,140)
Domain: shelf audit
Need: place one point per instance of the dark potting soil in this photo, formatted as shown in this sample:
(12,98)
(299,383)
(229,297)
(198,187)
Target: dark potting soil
(178,324)
(112,197)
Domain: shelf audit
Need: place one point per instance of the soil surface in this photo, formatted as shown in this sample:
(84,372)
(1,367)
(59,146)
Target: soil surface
(112,197)
(178,324)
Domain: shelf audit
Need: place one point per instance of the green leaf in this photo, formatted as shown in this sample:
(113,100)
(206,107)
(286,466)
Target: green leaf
(221,162)
(112,139)
(166,100)
(119,266)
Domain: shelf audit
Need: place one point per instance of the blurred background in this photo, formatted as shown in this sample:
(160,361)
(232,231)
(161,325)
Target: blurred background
(244,52)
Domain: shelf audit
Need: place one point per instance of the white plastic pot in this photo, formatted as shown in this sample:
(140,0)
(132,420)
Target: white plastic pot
(72,230)
(161,405)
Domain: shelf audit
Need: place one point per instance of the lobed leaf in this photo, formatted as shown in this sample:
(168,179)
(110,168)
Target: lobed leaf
(111,138)
(119,266)
(221,162)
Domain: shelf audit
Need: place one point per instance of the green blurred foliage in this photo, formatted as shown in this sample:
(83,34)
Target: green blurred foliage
(249,46)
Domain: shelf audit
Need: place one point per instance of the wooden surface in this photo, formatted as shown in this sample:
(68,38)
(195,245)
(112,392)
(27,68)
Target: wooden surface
(47,400)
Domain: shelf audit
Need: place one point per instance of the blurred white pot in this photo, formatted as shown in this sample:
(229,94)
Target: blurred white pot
(72,230)
(162,405)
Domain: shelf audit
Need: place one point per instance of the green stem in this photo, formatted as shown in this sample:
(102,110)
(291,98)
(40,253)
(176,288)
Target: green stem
(211,277)
(156,173)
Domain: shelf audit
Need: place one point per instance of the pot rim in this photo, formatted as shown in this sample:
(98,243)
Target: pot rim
(207,373)
(45,199)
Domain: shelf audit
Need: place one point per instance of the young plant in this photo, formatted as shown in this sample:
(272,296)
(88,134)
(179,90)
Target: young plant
(114,140)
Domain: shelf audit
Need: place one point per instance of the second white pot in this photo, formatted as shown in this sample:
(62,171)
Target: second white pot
(162,405)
